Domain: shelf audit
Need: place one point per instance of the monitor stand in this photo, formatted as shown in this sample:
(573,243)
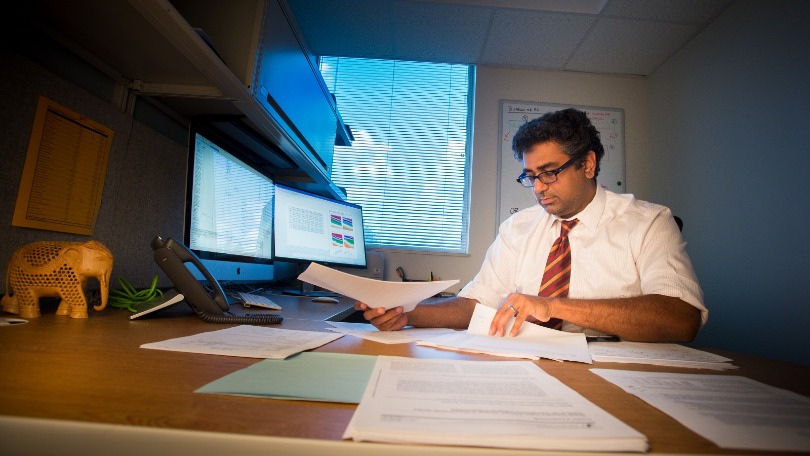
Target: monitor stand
(297,287)
(307,289)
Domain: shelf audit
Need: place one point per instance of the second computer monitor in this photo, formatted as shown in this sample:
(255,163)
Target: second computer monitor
(308,227)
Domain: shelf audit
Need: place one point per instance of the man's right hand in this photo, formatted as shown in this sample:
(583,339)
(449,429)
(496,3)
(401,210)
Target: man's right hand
(384,320)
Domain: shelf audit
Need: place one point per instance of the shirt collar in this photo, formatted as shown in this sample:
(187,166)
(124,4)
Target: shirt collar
(592,213)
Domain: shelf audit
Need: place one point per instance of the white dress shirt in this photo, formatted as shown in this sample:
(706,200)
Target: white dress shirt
(621,247)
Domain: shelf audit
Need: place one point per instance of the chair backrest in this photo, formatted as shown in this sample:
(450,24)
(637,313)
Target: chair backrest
(679,222)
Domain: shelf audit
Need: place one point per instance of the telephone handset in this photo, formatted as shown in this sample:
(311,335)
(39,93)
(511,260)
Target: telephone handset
(212,307)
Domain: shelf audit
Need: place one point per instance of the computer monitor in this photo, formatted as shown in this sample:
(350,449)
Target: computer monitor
(308,227)
(229,211)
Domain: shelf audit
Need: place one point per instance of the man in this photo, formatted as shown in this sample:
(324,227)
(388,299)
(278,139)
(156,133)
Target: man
(629,276)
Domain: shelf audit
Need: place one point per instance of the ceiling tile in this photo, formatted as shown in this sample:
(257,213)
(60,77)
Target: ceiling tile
(627,37)
(520,38)
(569,6)
(629,46)
(695,12)
(446,32)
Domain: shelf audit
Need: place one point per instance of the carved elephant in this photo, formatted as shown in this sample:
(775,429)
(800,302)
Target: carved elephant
(56,269)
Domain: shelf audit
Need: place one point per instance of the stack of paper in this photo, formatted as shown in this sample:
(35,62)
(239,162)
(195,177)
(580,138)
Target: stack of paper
(248,342)
(375,293)
(659,354)
(405,336)
(532,341)
(501,404)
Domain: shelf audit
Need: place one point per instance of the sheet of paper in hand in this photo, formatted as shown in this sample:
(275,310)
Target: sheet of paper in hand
(375,293)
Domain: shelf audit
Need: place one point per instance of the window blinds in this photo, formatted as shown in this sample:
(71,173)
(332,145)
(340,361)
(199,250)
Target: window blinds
(408,166)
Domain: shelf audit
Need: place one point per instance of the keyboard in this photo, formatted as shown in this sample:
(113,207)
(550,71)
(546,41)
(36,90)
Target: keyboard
(249,299)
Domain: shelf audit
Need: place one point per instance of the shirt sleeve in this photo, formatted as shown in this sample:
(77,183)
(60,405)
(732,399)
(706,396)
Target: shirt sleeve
(663,264)
(496,278)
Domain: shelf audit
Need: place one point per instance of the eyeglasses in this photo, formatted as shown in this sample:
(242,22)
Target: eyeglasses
(546,177)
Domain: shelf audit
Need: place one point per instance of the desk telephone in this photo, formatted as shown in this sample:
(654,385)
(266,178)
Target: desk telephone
(212,306)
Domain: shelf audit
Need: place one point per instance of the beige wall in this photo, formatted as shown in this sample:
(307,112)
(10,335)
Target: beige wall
(493,85)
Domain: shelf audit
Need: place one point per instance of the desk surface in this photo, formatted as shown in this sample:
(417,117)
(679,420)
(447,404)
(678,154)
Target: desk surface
(92,371)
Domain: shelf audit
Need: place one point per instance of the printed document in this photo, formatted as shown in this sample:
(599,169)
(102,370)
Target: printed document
(532,341)
(501,404)
(658,354)
(375,293)
(731,411)
(248,341)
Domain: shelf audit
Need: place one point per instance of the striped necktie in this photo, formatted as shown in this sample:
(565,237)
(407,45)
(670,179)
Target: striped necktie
(557,274)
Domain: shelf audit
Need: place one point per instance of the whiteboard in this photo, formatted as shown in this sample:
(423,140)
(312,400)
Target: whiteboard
(512,196)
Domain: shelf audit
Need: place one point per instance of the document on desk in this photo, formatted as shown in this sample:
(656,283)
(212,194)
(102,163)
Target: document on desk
(375,293)
(308,376)
(501,404)
(248,341)
(405,336)
(659,354)
(731,411)
(532,341)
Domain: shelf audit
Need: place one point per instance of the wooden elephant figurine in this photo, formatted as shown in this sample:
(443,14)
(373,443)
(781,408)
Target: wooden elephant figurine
(56,269)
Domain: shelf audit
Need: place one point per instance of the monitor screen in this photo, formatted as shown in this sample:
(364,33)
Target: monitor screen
(229,216)
(308,228)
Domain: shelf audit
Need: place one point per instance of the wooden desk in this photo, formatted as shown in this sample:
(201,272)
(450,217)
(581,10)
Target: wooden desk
(72,386)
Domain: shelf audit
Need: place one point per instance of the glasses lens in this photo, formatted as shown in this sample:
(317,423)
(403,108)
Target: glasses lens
(547,177)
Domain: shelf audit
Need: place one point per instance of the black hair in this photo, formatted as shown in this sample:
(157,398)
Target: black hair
(570,128)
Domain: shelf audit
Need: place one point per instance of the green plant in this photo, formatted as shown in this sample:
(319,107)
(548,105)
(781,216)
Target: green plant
(129,298)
